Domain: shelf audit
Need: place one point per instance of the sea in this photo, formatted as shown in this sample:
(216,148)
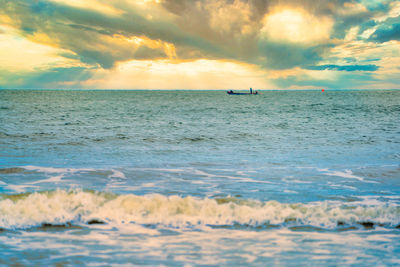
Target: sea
(199,178)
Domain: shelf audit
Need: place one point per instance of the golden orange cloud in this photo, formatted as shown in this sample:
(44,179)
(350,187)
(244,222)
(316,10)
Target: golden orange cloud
(174,74)
(296,25)
(92,5)
(20,54)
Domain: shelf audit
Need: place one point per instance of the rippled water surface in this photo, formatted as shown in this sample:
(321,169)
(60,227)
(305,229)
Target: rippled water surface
(199,178)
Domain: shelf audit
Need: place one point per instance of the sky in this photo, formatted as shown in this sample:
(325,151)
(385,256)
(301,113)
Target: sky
(200,44)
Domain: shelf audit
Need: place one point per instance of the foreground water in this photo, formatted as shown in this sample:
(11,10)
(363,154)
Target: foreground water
(199,178)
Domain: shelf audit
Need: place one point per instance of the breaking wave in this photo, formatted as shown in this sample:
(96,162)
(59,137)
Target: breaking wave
(63,207)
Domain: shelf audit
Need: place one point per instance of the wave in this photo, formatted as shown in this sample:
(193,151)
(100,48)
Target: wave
(11,170)
(56,170)
(74,207)
(110,173)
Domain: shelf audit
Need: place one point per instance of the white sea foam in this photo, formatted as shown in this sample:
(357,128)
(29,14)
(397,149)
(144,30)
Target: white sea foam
(52,179)
(160,170)
(230,177)
(56,170)
(64,171)
(291,180)
(117,174)
(345,174)
(290,191)
(341,186)
(197,172)
(21,188)
(61,207)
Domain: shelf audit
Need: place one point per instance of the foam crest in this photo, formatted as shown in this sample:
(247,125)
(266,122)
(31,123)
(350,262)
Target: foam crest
(56,170)
(117,174)
(79,207)
(345,174)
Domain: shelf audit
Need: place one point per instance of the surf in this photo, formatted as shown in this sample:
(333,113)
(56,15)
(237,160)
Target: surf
(76,207)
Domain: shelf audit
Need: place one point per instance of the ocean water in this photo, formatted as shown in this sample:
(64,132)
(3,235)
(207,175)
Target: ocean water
(199,178)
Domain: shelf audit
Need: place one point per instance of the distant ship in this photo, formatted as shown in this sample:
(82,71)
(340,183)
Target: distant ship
(230,92)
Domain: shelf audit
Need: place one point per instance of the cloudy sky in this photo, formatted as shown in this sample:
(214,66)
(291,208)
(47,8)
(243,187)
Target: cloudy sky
(200,44)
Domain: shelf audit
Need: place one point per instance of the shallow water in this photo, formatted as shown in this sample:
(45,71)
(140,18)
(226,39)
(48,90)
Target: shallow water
(199,177)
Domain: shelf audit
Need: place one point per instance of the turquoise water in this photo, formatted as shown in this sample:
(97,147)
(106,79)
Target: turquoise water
(199,178)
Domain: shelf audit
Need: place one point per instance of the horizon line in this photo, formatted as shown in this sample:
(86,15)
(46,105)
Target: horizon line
(124,89)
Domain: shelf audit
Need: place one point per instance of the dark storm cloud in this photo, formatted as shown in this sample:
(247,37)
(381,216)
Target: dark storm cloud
(82,30)
(61,74)
(344,81)
(387,33)
(370,67)
(363,18)
(285,56)
(50,78)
